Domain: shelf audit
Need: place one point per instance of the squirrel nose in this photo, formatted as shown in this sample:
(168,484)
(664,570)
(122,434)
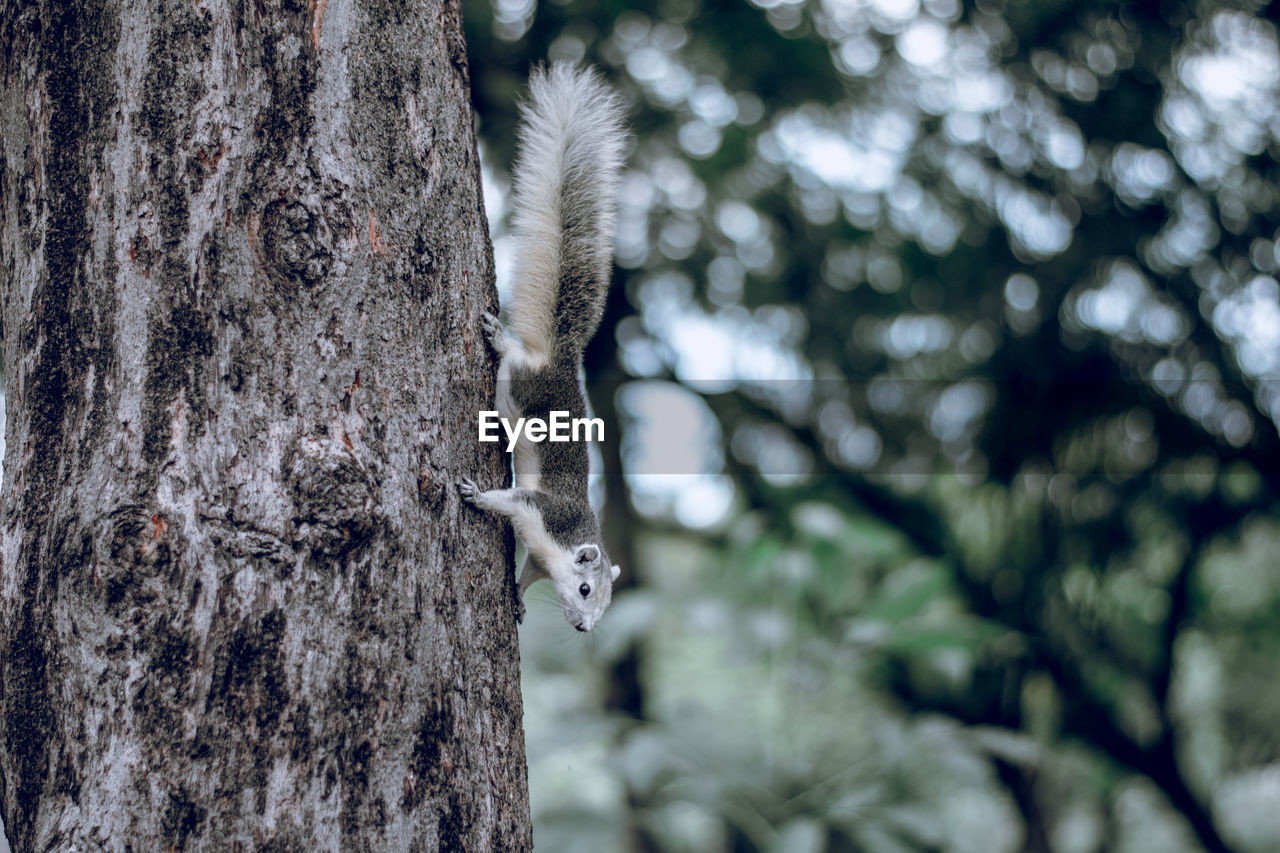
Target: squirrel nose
(580,628)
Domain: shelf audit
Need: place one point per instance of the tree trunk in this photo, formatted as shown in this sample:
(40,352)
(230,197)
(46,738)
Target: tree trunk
(243,256)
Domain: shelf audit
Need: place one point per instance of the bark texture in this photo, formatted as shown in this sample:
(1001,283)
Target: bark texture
(243,256)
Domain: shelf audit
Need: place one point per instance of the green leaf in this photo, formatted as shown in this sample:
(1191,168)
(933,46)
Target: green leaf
(911,599)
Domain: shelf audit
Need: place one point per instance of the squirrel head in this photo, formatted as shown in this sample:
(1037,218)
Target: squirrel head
(586,587)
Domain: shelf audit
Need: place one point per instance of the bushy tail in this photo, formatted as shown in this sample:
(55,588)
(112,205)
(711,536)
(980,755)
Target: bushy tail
(565,194)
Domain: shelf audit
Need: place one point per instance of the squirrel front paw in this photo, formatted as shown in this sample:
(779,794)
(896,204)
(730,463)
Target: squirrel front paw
(469,490)
(495,332)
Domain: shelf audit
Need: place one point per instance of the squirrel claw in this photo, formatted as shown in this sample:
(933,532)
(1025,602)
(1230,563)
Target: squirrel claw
(469,490)
(494,331)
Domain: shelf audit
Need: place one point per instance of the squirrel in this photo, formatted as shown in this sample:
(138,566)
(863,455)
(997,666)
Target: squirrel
(565,185)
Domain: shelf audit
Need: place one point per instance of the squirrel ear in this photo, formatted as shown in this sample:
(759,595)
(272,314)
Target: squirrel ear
(616,570)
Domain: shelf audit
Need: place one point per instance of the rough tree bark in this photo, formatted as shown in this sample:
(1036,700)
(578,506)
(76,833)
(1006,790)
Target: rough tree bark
(243,254)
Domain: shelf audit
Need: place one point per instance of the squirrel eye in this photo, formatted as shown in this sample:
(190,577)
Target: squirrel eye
(584,590)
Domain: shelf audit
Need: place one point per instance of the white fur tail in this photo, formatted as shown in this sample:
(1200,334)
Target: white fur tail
(565,189)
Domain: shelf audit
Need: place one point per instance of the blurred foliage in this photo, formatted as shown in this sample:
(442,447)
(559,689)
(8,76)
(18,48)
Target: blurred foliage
(979,304)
